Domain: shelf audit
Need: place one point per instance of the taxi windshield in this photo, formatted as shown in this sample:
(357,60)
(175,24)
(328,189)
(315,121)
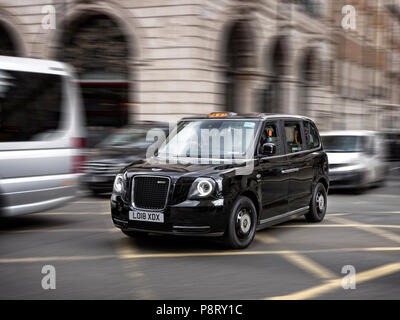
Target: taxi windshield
(211,139)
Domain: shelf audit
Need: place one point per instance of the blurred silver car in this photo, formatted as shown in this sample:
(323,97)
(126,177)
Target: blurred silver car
(356,158)
(41,133)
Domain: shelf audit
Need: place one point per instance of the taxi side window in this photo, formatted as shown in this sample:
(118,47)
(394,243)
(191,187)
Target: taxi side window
(293,137)
(311,135)
(270,135)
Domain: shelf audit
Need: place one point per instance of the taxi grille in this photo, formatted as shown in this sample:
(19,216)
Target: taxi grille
(150,192)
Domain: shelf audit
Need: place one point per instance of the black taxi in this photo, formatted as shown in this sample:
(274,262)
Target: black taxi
(225,175)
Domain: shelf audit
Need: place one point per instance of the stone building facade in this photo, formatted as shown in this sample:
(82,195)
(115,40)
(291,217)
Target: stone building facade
(164,59)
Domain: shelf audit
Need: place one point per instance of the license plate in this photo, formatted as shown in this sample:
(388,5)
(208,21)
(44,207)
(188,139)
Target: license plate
(146,216)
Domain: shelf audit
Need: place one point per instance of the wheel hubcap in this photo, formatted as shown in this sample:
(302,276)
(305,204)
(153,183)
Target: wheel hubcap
(243,222)
(320,201)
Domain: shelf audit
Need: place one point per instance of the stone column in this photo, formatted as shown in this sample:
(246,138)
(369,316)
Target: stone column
(289,96)
(248,84)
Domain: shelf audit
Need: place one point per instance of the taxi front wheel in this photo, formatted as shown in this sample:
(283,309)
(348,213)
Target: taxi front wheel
(318,204)
(241,225)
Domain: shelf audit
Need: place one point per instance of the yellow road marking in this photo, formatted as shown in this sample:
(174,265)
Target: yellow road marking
(309,266)
(265,238)
(125,248)
(54,259)
(260,252)
(337,283)
(370,228)
(199,254)
(127,255)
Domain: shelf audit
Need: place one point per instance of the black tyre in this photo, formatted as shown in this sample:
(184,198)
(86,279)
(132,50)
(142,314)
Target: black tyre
(241,225)
(318,205)
(135,234)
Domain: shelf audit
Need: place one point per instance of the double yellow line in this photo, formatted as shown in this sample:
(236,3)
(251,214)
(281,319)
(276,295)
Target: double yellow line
(133,255)
(337,283)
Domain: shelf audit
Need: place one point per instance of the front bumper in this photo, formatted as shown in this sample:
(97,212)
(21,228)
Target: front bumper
(191,217)
(344,180)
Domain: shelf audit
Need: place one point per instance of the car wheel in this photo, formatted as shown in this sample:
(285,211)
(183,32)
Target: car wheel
(318,204)
(135,234)
(241,225)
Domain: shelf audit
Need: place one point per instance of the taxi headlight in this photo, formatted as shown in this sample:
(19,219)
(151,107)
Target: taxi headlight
(119,183)
(202,188)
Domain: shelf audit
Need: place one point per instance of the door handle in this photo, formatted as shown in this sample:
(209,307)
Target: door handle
(290,170)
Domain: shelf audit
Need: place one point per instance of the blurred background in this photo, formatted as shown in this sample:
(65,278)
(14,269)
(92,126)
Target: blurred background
(142,64)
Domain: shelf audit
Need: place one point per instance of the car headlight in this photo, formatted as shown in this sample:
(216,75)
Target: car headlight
(119,183)
(202,188)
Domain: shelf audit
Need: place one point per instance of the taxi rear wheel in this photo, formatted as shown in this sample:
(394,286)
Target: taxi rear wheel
(241,225)
(318,204)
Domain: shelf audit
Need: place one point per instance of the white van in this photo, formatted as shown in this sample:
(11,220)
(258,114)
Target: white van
(356,158)
(41,134)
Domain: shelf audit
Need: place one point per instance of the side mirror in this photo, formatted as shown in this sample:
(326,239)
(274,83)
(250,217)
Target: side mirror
(268,149)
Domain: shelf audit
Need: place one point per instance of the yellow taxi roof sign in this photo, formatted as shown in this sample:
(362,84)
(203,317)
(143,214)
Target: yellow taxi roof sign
(220,114)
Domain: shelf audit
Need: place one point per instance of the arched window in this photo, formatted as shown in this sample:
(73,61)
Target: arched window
(98,49)
(277,60)
(310,75)
(239,57)
(8,46)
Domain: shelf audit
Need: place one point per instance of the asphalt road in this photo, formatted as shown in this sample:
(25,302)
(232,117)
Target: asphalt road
(296,260)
